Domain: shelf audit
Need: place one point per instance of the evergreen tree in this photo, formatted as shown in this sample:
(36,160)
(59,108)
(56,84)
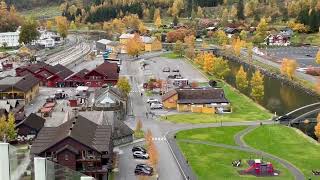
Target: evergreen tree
(240,10)
(175,21)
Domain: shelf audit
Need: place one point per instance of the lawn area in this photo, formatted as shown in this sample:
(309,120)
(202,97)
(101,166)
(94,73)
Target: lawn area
(313,39)
(221,135)
(171,55)
(210,162)
(243,109)
(286,143)
(43,12)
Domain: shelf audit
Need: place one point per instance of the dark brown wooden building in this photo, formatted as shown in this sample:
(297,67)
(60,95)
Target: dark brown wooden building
(31,125)
(79,144)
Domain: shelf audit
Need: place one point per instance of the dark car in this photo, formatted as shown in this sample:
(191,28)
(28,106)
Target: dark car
(175,70)
(142,171)
(166,69)
(283,118)
(138,148)
(144,166)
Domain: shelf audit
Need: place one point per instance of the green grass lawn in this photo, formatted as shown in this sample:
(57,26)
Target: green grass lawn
(284,142)
(221,135)
(313,39)
(210,162)
(243,109)
(171,55)
(43,12)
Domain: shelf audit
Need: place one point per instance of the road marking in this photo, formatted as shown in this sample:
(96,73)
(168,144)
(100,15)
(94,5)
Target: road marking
(159,139)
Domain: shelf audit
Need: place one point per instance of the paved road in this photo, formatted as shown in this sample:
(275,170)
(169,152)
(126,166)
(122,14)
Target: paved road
(278,66)
(167,168)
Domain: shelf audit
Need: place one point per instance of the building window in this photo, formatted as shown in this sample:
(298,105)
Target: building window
(66,157)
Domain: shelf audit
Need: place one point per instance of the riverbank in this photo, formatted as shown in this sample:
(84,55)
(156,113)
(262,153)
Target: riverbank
(271,72)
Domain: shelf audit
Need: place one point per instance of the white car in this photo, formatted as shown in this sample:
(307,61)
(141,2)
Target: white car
(140,155)
(156,106)
(152,100)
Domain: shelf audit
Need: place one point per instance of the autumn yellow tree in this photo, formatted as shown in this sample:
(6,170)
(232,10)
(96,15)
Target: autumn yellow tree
(8,132)
(317,128)
(208,62)
(288,67)
(199,59)
(220,68)
(237,44)
(158,22)
(134,46)
(178,48)
(222,37)
(262,30)
(62,26)
(49,25)
(200,12)
(250,51)
(318,57)
(257,86)
(241,79)
(124,85)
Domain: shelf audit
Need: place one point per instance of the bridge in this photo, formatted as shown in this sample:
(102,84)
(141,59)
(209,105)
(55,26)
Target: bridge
(297,116)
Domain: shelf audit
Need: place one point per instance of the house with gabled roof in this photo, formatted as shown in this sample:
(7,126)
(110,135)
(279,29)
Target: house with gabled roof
(21,88)
(105,73)
(30,126)
(201,100)
(79,144)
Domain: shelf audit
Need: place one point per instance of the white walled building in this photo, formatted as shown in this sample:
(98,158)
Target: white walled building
(10,39)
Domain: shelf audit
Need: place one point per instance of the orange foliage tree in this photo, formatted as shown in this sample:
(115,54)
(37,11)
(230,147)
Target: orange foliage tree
(317,128)
(134,46)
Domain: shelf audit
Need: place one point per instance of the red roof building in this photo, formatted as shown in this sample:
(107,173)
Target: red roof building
(106,73)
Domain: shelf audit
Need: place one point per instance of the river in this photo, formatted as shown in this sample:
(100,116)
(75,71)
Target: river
(279,97)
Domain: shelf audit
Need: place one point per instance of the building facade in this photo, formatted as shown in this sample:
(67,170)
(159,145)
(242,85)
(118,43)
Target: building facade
(9,39)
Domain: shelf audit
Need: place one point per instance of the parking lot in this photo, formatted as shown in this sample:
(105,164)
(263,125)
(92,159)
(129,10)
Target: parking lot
(157,64)
(304,55)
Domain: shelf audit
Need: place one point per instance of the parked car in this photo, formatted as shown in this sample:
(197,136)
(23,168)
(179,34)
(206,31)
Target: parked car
(152,100)
(144,166)
(156,106)
(140,155)
(166,69)
(142,171)
(283,118)
(175,76)
(175,70)
(138,148)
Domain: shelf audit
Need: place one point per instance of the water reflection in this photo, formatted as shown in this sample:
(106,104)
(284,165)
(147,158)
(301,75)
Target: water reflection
(279,97)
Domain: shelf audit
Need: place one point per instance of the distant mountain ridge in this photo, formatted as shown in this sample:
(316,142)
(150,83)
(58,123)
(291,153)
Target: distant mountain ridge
(30,4)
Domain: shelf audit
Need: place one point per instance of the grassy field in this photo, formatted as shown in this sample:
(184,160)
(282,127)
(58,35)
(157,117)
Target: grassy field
(221,135)
(210,162)
(284,142)
(243,109)
(313,39)
(43,12)
(171,55)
